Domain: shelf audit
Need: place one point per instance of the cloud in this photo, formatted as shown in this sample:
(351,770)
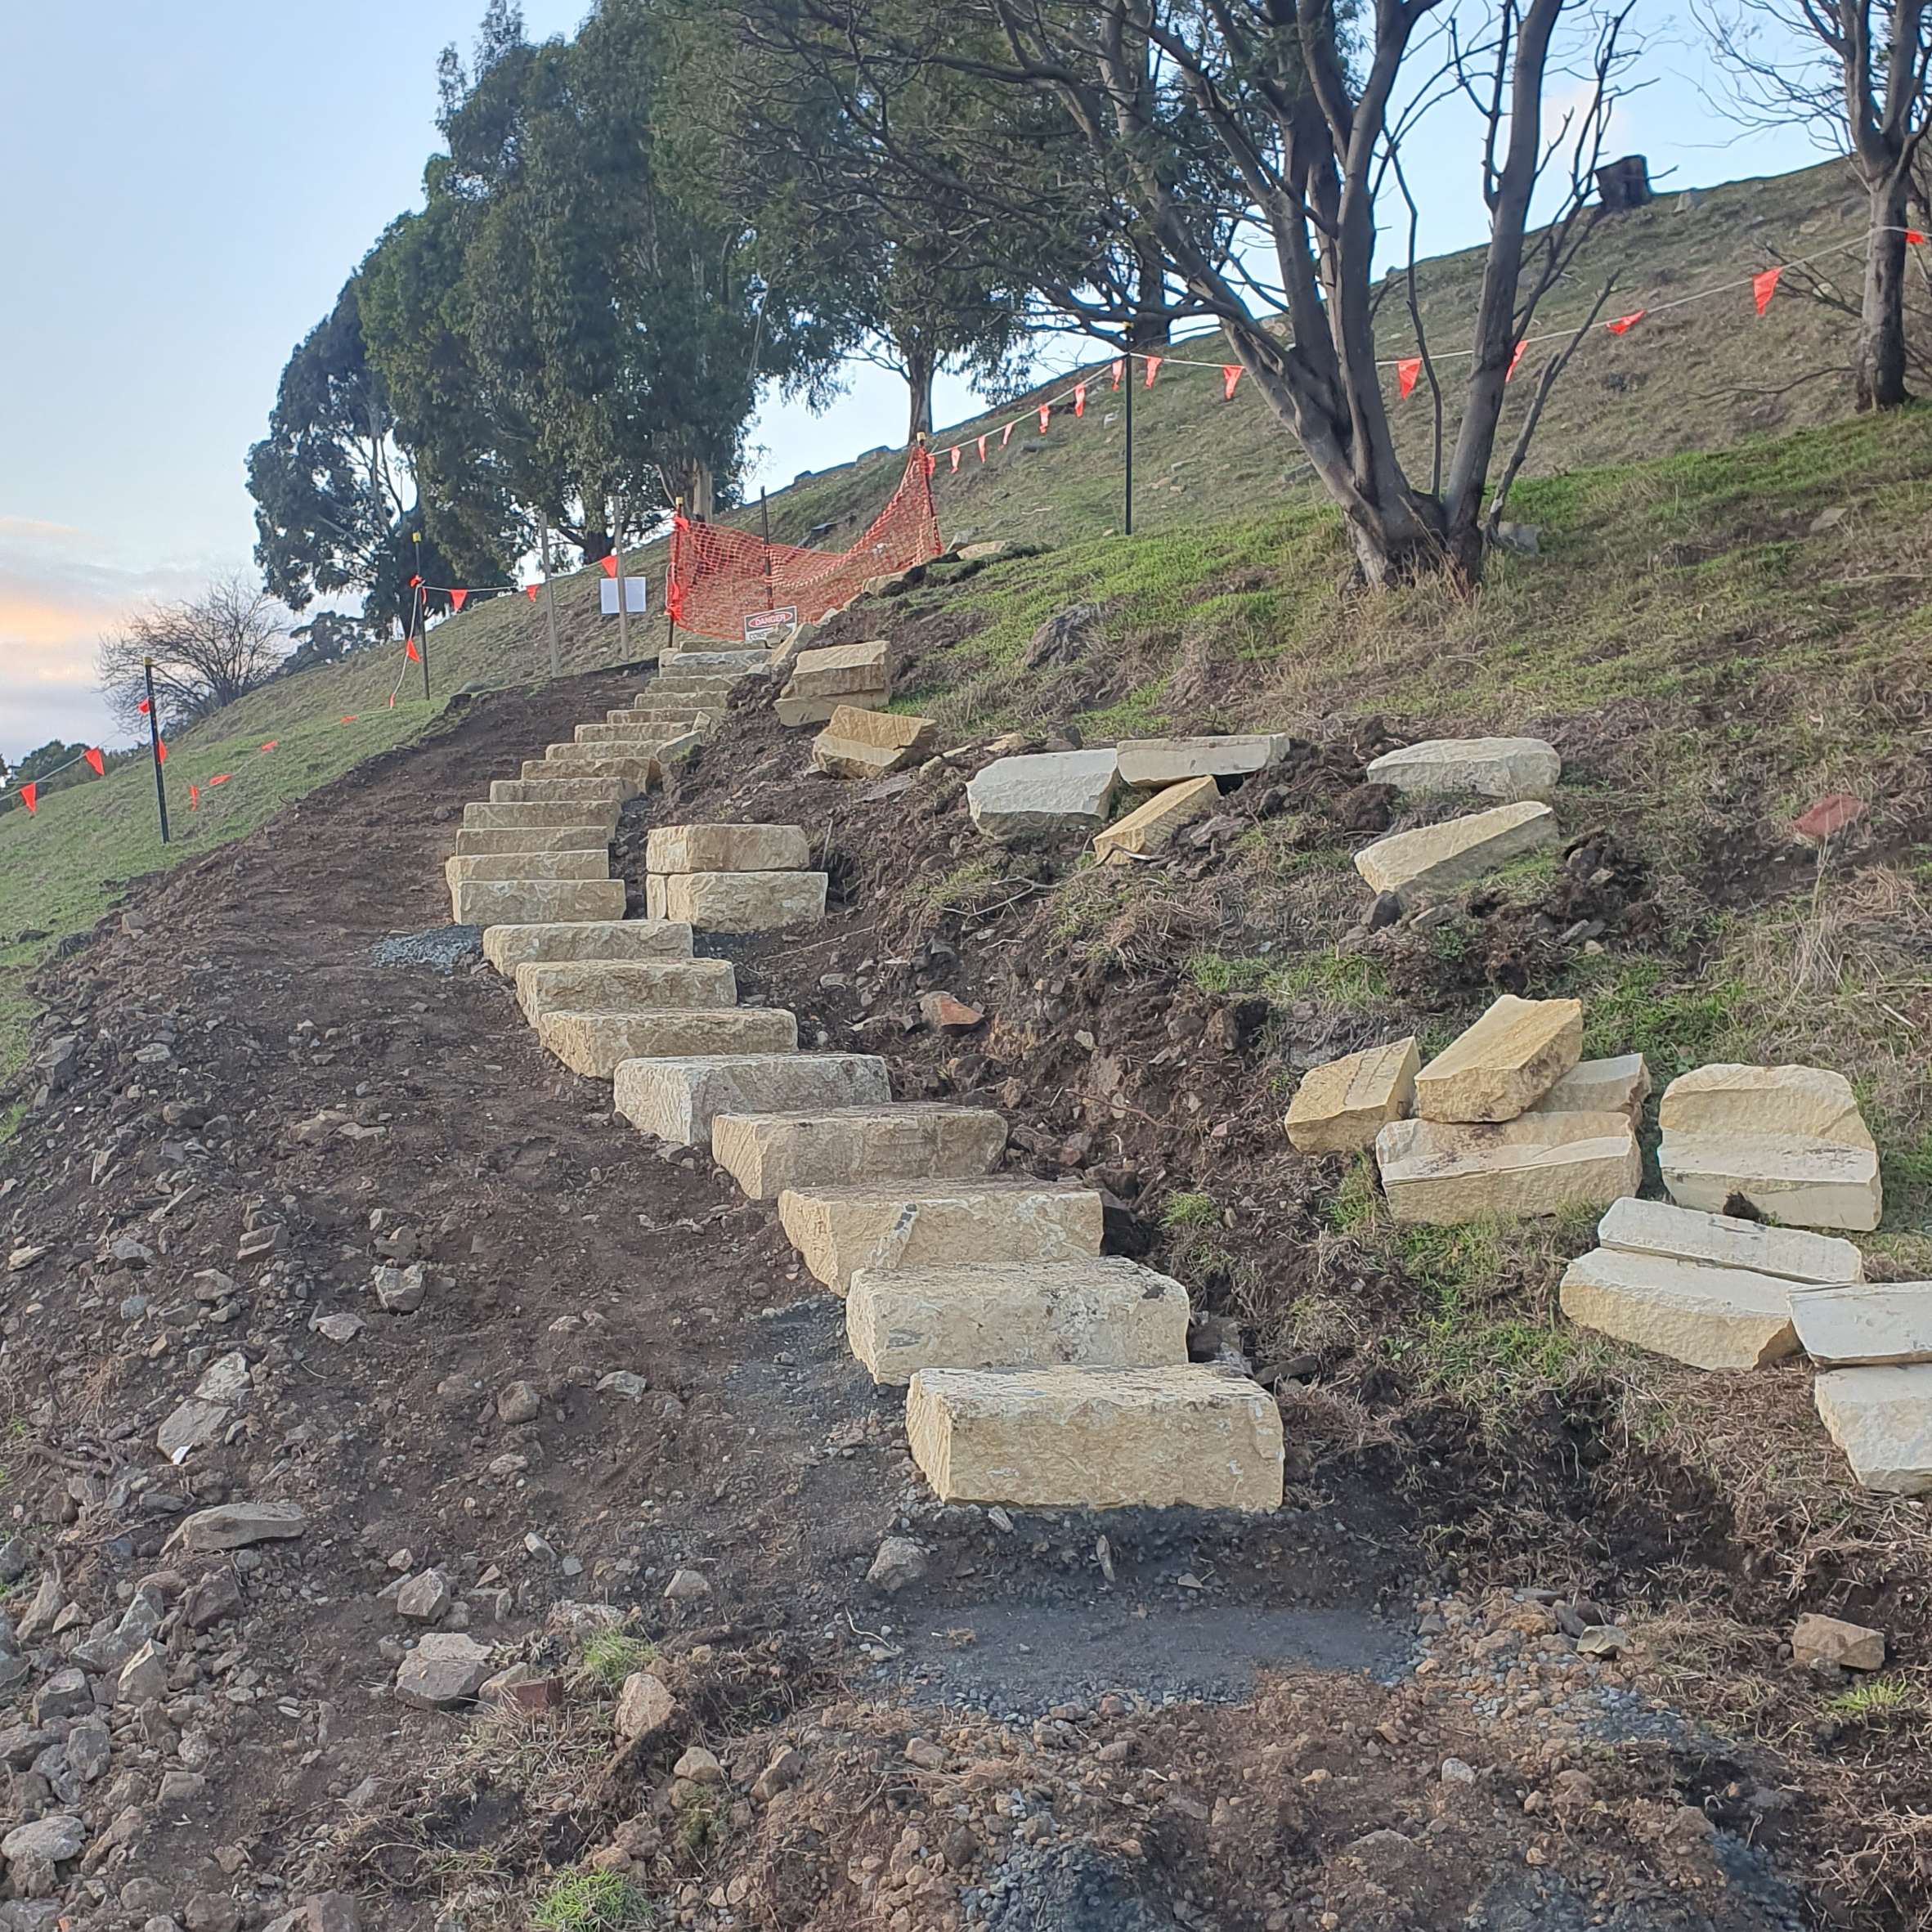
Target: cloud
(59,589)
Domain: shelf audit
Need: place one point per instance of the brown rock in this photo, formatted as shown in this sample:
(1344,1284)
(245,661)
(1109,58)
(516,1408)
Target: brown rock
(1817,1639)
(952,1016)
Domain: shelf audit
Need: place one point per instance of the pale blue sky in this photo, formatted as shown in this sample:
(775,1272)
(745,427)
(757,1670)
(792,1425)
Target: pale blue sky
(183,189)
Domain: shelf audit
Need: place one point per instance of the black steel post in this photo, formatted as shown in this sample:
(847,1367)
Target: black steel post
(155,740)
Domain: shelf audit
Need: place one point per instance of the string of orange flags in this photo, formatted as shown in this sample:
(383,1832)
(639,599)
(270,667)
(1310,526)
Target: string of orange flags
(1762,285)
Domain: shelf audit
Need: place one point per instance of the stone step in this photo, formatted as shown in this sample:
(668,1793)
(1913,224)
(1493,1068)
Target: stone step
(1512,1056)
(634,776)
(535,901)
(1539,1163)
(727,849)
(848,1147)
(473,843)
(635,730)
(1617,1086)
(1341,1107)
(1870,1324)
(1808,1103)
(592,862)
(1043,795)
(637,750)
(736,902)
(623,986)
(1438,858)
(684,717)
(1811,1183)
(558,791)
(912,1224)
(1097,1438)
(1491,768)
(1793,1254)
(535,813)
(1712,1318)
(1109,1312)
(596,1044)
(614,940)
(1882,1420)
(714,663)
(1152,765)
(679,1100)
(681,686)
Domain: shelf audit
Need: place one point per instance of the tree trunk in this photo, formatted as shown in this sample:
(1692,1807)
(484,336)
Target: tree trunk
(919,377)
(1152,325)
(702,504)
(1881,318)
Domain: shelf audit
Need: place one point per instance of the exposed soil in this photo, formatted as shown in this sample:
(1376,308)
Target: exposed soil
(1137,1719)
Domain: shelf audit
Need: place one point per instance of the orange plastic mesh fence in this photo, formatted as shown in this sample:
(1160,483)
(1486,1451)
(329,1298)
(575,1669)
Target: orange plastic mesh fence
(721,578)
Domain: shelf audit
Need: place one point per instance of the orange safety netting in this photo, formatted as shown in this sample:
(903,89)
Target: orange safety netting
(721,579)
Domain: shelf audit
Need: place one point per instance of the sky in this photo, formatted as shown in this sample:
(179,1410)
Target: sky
(182,191)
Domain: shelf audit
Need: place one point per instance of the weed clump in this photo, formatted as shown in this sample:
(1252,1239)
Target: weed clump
(592,1902)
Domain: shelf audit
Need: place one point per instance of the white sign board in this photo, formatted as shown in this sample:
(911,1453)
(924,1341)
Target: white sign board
(762,626)
(633,596)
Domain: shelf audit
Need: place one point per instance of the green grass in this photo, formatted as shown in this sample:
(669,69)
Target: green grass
(1875,1696)
(588,1901)
(1189,1212)
(610,1657)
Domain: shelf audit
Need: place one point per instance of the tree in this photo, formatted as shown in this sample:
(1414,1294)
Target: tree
(1246,141)
(1859,75)
(334,503)
(207,650)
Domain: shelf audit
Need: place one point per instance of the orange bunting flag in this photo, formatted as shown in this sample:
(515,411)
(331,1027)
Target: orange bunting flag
(219,779)
(458,598)
(1624,324)
(1406,371)
(1913,236)
(142,707)
(1006,434)
(1154,362)
(94,757)
(1516,358)
(194,798)
(1231,375)
(415,583)
(982,449)
(1119,370)
(610,566)
(161,752)
(350,720)
(1763,287)
(410,652)
(1079,399)
(28,792)
(392,701)
(530,591)
(1045,414)
(955,454)
(272,744)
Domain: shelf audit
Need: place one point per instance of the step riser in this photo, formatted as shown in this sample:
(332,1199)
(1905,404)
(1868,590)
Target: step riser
(591,986)
(614,941)
(736,902)
(766,1155)
(594,863)
(680,1100)
(727,849)
(595,1044)
(535,901)
(472,844)
(535,817)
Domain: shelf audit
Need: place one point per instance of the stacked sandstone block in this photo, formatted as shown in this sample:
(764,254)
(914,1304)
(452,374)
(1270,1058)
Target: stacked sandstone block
(731,878)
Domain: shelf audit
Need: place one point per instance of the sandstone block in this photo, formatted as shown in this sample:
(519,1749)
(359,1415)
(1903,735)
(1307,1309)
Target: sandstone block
(1045,795)
(1436,859)
(535,901)
(593,1044)
(1804,1103)
(1152,765)
(1108,1312)
(1657,1228)
(632,727)
(1491,768)
(1345,1104)
(863,744)
(1063,1438)
(447,1668)
(644,1707)
(669,719)
(1712,1318)
(1500,1066)
(841,670)
(599,792)
(913,1223)
(1150,826)
(623,986)
(678,1099)
(713,663)
(1882,1420)
(1618,1086)
(508,947)
(736,902)
(1817,1639)
(1538,1164)
(572,760)
(847,1146)
(1875,1323)
(633,776)
(474,843)
(592,862)
(1813,1183)
(518,817)
(795,713)
(727,849)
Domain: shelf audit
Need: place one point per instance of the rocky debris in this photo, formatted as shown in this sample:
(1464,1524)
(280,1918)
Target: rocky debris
(1881,1418)
(401,1291)
(1059,1438)
(518,1402)
(144,1676)
(1048,795)
(687,1586)
(205,1604)
(865,745)
(446,1668)
(677,1099)
(425,1598)
(1870,1324)
(226,1378)
(1725,1241)
(1149,827)
(1340,1107)
(698,1766)
(1816,1639)
(727,849)
(1106,1312)
(189,1426)
(1062,638)
(900,1561)
(611,940)
(339,1328)
(1153,764)
(1710,1317)
(1620,1085)
(1511,768)
(644,1707)
(233,1525)
(1504,1064)
(736,902)
(1434,859)
(945,1014)
(1539,1163)
(624,1383)
(66,1693)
